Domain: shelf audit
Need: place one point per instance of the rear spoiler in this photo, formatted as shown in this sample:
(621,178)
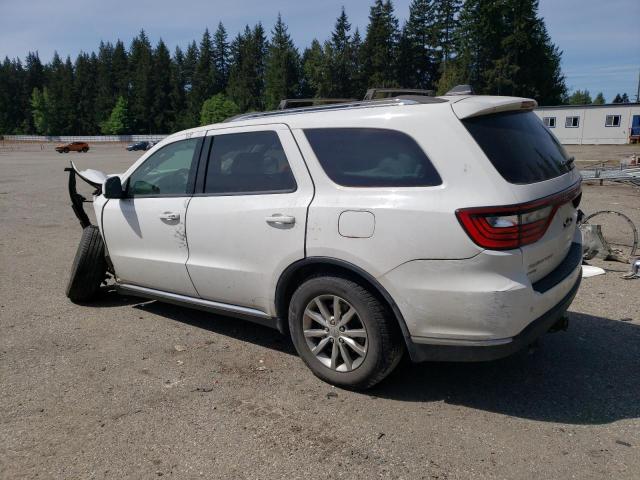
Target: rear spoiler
(475,106)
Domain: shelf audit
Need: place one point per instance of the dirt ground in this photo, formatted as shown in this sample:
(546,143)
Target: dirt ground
(610,154)
(131,389)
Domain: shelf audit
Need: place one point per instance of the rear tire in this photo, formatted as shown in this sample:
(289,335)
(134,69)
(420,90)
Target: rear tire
(89,267)
(85,149)
(356,355)
(65,150)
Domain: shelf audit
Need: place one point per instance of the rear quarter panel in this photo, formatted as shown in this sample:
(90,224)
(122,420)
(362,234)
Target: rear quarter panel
(411,222)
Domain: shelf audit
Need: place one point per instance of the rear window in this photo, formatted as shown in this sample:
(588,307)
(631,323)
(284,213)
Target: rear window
(519,146)
(371,157)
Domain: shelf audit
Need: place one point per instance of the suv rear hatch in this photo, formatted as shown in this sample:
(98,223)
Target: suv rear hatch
(541,174)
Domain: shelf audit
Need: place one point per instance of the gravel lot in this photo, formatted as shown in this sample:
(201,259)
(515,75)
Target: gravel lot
(133,389)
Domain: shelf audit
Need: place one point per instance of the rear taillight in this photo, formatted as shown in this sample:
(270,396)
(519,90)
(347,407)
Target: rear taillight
(513,226)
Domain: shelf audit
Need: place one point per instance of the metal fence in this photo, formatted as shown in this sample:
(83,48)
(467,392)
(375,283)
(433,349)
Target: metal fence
(85,138)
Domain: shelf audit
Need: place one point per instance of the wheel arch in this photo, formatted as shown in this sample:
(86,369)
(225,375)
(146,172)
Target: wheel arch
(309,266)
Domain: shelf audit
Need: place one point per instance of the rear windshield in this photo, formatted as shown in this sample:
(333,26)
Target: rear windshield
(371,157)
(519,146)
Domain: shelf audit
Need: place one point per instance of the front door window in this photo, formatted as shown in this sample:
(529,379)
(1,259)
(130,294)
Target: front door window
(168,172)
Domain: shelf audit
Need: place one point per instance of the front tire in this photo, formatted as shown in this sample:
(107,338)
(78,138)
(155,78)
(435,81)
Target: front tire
(89,267)
(343,333)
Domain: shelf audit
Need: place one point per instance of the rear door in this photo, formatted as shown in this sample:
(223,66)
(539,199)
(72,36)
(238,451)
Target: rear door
(145,232)
(248,222)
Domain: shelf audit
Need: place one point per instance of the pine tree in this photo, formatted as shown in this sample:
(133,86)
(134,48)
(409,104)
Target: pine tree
(478,41)
(282,73)
(141,96)
(120,70)
(617,99)
(105,95)
(417,46)
(533,60)
(625,98)
(189,65)
(221,55)
(161,112)
(204,79)
(316,81)
(504,49)
(246,84)
(599,100)
(380,46)
(33,78)
(7,80)
(85,94)
(359,82)
(60,80)
(338,61)
(178,93)
(444,31)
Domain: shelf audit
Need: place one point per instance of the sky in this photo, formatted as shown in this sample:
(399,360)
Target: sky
(600,39)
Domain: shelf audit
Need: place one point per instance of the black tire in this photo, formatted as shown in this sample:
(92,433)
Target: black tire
(65,150)
(85,149)
(384,340)
(89,267)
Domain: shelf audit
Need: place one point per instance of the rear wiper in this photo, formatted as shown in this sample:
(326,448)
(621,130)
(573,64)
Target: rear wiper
(569,162)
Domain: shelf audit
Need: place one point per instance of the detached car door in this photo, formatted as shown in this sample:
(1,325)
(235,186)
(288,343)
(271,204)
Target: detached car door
(145,231)
(247,222)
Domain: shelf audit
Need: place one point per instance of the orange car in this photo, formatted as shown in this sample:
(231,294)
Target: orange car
(73,146)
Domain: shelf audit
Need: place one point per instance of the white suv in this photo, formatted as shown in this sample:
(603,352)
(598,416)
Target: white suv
(442,226)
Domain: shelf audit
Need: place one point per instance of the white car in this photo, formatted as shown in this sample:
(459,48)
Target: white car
(444,227)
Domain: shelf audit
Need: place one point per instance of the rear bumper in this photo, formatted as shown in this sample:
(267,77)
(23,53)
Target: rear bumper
(481,351)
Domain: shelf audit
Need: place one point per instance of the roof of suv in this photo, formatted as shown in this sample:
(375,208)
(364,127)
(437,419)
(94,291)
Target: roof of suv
(464,106)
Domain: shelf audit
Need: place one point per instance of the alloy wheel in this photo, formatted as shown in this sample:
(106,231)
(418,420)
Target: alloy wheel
(334,333)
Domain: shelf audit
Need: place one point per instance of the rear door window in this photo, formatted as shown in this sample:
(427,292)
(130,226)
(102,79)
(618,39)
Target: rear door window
(248,163)
(519,146)
(371,157)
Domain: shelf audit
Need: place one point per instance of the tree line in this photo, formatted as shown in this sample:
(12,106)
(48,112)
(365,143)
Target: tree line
(498,46)
(583,97)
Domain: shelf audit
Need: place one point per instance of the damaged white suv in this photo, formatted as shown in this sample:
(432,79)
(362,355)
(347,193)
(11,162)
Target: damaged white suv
(444,227)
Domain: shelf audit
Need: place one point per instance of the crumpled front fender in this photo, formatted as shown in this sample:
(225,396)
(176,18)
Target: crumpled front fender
(94,178)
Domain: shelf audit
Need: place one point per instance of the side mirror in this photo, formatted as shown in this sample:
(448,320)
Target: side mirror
(113,188)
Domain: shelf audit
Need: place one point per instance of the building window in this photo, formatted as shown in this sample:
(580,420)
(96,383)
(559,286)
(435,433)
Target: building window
(612,121)
(572,122)
(549,122)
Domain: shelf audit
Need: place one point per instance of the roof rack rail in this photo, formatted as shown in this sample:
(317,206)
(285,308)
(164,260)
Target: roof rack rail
(381,93)
(289,103)
(390,102)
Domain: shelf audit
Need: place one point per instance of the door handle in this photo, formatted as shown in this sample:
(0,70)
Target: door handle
(170,216)
(278,218)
